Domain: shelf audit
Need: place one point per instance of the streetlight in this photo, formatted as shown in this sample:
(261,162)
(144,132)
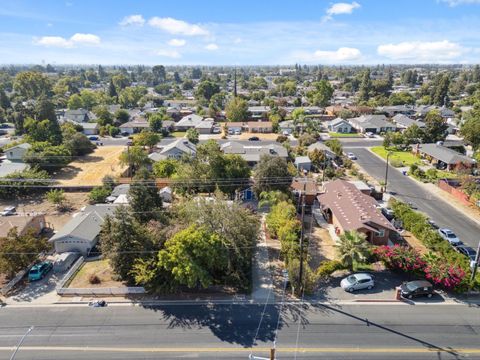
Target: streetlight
(386,170)
(20,342)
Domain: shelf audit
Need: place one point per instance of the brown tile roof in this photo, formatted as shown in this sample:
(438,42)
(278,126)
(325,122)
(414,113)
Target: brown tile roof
(20,222)
(260,124)
(309,185)
(352,208)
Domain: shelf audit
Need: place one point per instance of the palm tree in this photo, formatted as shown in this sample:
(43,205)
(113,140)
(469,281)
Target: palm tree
(352,248)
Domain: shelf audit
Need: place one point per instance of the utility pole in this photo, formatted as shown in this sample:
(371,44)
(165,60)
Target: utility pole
(21,342)
(386,171)
(300,275)
(475,263)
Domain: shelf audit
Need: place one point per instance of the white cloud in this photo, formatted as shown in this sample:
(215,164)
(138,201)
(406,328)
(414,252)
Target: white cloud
(433,51)
(211,47)
(174,26)
(173,54)
(87,39)
(177,42)
(76,39)
(453,3)
(342,8)
(135,20)
(343,54)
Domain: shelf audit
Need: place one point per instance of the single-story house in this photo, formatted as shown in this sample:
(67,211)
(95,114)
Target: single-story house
(78,115)
(188,122)
(347,208)
(17,152)
(322,147)
(118,190)
(397,109)
(304,187)
(252,153)
(372,123)
(22,223)
(175,150)
(205,126)
(288,127)
(258,112)
(339,125)
(442,156)
(260,126)
(168,125)
(303,163)
(80,234)
(404,122)
(232,127)
(90,128)
(134,126)
(423,110)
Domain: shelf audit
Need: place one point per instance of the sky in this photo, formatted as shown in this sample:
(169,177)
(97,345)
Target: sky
(245,32)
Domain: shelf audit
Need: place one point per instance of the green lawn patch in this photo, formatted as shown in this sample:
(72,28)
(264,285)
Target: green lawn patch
(397,158)
(345,135)
(178,134)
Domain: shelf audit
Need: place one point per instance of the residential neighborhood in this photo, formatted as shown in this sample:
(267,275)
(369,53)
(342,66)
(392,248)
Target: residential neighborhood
(218,190)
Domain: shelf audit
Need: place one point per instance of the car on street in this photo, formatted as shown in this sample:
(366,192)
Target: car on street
(433,224)
(129,142)
(416,288)
(351,156)
(254,138)
(388,213)
(216,130)
(237,132)
(9,210)
(369,135)
(467,251)
(93,138)
(449,235)
(357,281)
(38,271)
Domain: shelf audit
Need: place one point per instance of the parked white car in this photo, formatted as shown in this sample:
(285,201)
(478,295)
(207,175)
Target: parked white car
(449,235)
(357,282)
(9,210)
(351,156)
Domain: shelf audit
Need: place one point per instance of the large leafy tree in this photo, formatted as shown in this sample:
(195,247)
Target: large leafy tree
(194,257)
(336,146)
(192,135)
(237,110)
(322,94)
(206,89)
(365,87)
(19,251)
(48,157)
(435,127)
(123,241)
(470,129)
(165,168)
(32,84)
(352,248)
(271,173)
(135,157)
(146,138)
(145,201)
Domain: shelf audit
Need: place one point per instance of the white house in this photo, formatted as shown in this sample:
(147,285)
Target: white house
(339,125)
(90,128)
(188,122)
(16,153)
(133,127)
(174,150)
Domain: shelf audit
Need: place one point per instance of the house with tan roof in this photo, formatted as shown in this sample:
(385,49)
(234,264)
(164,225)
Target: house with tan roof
(347,208)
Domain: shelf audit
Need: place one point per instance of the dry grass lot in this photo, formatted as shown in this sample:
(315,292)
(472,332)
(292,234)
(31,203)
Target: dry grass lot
(246,135)
(102,269)
(90,169)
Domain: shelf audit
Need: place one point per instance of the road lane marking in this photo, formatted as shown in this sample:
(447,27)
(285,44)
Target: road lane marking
(242,350)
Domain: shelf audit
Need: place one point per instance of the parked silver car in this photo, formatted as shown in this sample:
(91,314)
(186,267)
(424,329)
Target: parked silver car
(357,282)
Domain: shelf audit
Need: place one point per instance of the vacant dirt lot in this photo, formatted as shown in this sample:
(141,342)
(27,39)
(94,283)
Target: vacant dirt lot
(246,135)
(102,269)
(90,169)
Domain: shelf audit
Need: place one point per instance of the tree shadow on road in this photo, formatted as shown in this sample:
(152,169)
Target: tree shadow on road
(243,324)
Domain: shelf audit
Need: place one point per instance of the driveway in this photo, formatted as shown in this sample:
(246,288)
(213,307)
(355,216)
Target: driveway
(37,292)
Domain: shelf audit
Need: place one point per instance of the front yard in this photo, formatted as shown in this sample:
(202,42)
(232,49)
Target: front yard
(99,268)
(344,135)
(400,158)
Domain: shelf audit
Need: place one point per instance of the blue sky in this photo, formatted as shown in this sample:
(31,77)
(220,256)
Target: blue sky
(243,32)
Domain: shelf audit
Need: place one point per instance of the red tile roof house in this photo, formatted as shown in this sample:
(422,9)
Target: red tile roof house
(347,208)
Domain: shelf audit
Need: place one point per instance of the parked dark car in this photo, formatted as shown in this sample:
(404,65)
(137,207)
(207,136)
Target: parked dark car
(467,251)
(254,138)
(388,213)
(412,289)
(93,137)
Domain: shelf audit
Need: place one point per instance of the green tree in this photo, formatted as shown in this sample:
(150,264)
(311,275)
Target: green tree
(159,74)
(32,85)
(192,135)
(165,168)
(352,248)
(206,89)
(412,135)
(130,96)
(435,127)
(322,94)
(318,158)
(146,138)
(193,256)
(336,146)
(121,116)
(401,98)
(48,157)
(135,157)
(99,194)
(19,183)
(155,121)
(365,87)
(123,241)
(112,91)
(271,173)
(56,197)
(104,117)
(19,251)
(145,202)
(470,129)
(237,110)
(74,102)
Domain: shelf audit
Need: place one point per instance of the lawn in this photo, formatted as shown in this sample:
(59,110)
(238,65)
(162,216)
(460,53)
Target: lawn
(339,135)
(397,157)
(102,269)
(178,134)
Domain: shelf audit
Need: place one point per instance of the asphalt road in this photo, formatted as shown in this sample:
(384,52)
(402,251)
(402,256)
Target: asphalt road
(228,332)
(408,190)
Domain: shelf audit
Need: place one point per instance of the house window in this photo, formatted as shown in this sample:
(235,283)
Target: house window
(381,233)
